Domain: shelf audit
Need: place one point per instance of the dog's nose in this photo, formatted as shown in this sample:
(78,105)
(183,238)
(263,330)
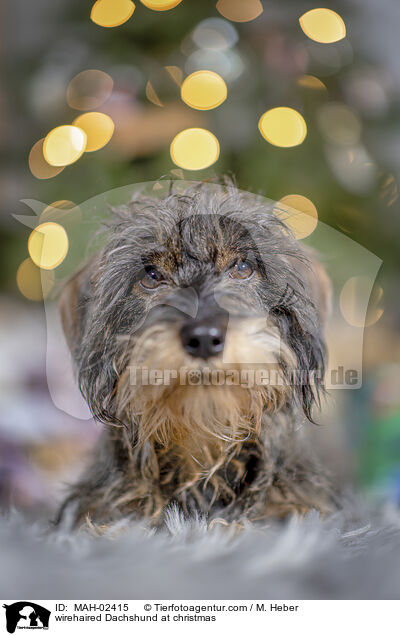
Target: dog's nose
(202,339)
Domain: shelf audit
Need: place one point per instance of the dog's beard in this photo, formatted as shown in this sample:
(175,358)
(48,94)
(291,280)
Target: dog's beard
(201,420)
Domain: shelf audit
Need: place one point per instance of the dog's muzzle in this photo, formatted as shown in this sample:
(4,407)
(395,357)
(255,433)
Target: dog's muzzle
(204,338)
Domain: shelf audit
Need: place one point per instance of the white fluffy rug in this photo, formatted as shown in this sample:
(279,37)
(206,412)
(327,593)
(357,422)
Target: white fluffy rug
(349,556)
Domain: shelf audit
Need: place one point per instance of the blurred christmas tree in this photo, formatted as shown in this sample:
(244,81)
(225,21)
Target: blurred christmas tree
(269,56)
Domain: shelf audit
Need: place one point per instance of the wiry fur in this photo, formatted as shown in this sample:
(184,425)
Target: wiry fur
(222,450)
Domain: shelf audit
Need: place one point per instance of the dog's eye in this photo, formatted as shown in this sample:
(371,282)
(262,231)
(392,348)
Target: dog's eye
(241,270)
(152,278)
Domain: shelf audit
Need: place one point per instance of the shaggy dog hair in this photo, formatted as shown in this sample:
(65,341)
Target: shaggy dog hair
(208,280)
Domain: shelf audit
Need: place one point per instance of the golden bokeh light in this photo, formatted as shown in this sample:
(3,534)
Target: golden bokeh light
(204,90)
(310,81)
(38,164)
(175,73)
(298,213)
(111,13)
(64,212)
(32,282)
(240,11)
(89,89)
(194,149)
(356,296)
(98,127)
(162,86)
(160,5)
(323,25)
(62,204)
(283,126)
(48,245)
(177,172)
(64,145)
(152,95)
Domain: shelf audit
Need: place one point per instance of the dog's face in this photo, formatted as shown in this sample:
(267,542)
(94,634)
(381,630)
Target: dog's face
(188,293)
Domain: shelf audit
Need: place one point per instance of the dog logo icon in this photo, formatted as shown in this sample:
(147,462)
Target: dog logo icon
(26,615)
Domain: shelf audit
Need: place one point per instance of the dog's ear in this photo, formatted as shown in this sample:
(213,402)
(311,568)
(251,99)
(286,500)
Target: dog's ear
(302,317)
(73,305)
(319,286)
(311,352)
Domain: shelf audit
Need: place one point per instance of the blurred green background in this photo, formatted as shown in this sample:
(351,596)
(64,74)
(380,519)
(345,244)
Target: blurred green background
(348,166)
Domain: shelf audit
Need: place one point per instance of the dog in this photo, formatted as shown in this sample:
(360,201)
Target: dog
(190,294)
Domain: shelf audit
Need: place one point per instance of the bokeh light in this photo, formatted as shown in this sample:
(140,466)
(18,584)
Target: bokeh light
(152,95)
(367,91)
(323,25)
(312,82)
(355,298)
(194,149)
(177,172)
(64,145)
(353,167)
(298,213)
(339,124)
(389,190)
(111,13)
(64,212)
(162,85)
(283,126)
(175,73)
(203,90)
(38,164)
(89,89)
(240,11)
(160,5)
(215,34)
(32,282)
(228,64)
(48,245)
(98,127)
(62,204)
